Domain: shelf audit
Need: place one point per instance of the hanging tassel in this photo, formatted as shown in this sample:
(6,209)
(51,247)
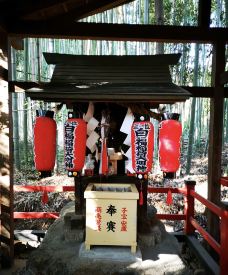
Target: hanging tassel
(44,197)
(103,169)
(169,199)
(141,196)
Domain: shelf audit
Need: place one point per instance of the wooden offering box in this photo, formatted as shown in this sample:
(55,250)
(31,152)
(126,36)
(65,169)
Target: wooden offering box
(111,214)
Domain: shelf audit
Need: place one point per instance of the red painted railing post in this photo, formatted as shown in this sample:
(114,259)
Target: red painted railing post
(189,206)
(224,240)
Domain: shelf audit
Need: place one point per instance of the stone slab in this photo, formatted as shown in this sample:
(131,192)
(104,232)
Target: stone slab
(110,253)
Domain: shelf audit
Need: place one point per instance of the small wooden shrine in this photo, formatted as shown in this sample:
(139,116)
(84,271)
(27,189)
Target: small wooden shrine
(101,92)
(112,84)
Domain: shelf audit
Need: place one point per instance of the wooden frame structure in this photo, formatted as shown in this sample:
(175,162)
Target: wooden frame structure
(19,20)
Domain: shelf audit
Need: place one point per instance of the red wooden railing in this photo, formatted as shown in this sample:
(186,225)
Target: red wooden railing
(190,223)
(165,190)
(39,188)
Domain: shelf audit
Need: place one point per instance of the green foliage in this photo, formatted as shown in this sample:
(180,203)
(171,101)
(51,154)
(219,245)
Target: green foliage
(218,13)
(29,163)
(180,12)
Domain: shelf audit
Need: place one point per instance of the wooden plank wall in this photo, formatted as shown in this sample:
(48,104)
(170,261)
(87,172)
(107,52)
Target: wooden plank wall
(6,202)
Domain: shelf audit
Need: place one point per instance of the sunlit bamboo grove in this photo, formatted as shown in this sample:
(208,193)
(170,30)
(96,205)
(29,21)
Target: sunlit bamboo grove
(194,69)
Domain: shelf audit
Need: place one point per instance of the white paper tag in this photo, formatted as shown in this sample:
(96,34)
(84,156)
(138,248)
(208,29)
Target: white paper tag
(93,149)
(129,166)
(128,120)
(127,140)
(91,125)
(128,154)
(91,140)
(90,112)
(103,120)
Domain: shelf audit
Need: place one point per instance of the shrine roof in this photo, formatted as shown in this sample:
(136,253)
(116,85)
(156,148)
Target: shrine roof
(110,78)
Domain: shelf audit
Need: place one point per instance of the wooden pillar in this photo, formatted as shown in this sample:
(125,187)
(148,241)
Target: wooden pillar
(204,13)
(215,136)
(189,207)
(6,177)
(79,194)
(11,89)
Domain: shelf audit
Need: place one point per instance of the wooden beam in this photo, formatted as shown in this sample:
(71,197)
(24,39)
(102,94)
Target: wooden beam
(27,7)
(24,7)
(17,43)
(82,9)
(204,91)
(123,32)
(89,9)
(215,136)
(200,91)
(204,13)
(25,84)
(35,10)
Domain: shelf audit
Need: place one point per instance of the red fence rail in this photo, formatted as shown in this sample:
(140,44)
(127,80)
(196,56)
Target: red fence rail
(190,223)
(47,188)
(39,188)
(224,181)
(36,215)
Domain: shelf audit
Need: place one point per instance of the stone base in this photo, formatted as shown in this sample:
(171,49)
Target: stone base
(74,227)
(146,240)
(157,253)
(111,253)
(154,234)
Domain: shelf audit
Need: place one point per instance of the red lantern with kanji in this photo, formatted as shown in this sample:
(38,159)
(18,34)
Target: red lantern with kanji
(44,143)
(75,144)
(170,132)
(142,142)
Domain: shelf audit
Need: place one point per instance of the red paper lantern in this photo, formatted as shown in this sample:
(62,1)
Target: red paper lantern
(169,145)
(75,144)
(142,141)
(44,143)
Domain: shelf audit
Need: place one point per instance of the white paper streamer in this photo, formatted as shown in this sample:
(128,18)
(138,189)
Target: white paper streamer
(91,125)
(128,120)
(128,154)
(127,140)
(129,166)
(91,141)
(103,120)
(90,112)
